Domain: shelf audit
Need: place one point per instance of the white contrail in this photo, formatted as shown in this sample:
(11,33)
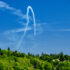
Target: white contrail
(17,12)
(27,15)
(20,14)
(29,7)
(17,30)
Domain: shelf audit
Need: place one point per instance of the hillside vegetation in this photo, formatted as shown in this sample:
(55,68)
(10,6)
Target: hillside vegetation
(13,60)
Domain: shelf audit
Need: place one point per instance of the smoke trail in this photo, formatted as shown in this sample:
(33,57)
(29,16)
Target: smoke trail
(27,18)
(29,7)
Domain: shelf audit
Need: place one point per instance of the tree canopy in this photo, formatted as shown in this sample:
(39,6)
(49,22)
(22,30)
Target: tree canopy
(14,60)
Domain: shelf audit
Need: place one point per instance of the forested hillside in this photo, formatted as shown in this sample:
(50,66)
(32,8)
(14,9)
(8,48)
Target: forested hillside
(13,60)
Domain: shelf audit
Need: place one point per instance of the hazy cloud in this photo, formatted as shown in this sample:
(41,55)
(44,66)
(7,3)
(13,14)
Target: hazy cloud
(17,30)
(14,11)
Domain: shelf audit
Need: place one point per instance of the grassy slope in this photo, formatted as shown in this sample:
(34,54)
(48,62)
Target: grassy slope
(9,61)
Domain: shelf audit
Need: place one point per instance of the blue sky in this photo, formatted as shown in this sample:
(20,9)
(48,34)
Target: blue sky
(52,25)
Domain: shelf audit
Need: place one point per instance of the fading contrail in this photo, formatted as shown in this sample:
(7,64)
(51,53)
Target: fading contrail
(27,18)
(19,13)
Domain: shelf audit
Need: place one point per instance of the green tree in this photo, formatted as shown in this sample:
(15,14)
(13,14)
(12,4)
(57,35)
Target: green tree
(9,52)
(63,66)
(15,53)
(61,56)
(2,67)
(0,51)
(48,66)
(8,49)
(66,57)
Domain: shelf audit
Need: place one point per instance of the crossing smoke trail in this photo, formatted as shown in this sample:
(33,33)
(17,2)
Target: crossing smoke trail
(27,18)
(19,13)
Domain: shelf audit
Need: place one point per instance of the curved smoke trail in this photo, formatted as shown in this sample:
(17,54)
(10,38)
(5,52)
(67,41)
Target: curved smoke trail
(27,15)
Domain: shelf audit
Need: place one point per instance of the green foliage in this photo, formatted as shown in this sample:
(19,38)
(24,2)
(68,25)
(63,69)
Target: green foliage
(10,60)
(48,66)
(66,57)
(61,56)
(46,57)
(63,66)
(8,49)
(2,67)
